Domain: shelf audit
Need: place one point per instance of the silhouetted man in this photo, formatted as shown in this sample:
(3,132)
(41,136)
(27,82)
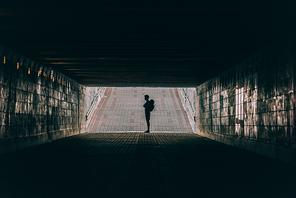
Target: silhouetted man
(147,107)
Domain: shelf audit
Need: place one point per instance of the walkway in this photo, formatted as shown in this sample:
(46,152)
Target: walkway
(138,165)
(122,110)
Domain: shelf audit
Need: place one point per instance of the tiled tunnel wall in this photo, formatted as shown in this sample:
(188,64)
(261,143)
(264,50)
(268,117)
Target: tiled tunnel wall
(37,106)
(252,105)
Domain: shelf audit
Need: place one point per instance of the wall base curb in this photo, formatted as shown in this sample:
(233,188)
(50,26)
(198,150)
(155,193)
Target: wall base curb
(277,152)
(10,145)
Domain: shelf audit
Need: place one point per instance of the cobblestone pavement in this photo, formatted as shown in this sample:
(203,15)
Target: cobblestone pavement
(122,110)
(138,165)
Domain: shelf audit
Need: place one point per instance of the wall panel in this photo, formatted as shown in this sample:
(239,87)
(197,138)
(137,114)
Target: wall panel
(252,105)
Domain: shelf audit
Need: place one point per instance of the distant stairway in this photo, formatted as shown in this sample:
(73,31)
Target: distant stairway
(121,110)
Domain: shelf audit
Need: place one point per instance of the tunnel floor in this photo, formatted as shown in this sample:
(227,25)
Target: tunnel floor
(122,110)
(138,165)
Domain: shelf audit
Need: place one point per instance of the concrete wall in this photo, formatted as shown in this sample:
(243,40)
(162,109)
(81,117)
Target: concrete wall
(92,99)
(252,105)
(188,99)
(89,96)
(37,106)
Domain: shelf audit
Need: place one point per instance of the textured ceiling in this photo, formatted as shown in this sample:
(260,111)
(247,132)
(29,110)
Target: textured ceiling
(142,43)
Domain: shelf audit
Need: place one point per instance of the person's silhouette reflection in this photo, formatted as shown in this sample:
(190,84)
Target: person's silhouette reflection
(147,107)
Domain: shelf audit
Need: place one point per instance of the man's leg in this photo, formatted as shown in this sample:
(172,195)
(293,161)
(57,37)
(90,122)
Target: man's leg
(148,125)
(147,115)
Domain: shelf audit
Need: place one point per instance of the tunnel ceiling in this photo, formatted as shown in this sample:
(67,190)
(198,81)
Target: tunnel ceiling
(142,43)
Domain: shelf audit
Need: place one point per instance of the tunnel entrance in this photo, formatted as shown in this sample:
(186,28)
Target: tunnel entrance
(121,110)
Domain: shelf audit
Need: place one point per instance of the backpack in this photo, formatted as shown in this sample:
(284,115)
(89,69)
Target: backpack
(151,105)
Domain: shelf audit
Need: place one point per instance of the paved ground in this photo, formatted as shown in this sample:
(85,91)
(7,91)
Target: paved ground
(122,110)
(138,165)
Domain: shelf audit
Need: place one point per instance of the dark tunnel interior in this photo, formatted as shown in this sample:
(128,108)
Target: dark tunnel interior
(142,43)
(74,75)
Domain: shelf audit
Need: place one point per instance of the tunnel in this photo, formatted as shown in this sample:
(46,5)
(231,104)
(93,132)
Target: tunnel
(74,74)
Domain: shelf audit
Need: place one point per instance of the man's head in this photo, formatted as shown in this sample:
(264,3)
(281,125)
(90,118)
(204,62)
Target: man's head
(146,97)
